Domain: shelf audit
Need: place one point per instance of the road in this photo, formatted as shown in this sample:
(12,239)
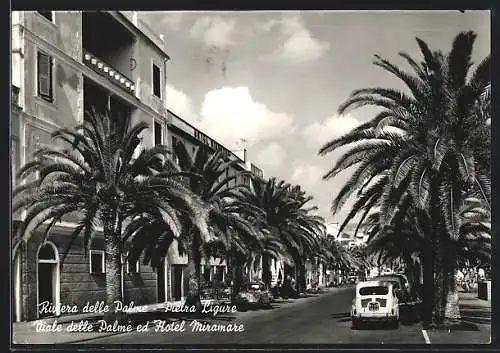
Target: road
(317,319)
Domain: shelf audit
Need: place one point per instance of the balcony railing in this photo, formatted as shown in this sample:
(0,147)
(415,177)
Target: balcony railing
(108,71)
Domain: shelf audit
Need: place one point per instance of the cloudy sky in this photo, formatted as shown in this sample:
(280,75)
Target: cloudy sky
(276,79)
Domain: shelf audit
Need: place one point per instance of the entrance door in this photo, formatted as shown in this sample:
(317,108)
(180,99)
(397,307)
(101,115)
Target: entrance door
(48,279)
(46,286)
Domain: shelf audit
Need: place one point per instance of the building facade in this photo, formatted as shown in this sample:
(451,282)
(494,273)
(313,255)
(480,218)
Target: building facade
(65,63)
(347,238)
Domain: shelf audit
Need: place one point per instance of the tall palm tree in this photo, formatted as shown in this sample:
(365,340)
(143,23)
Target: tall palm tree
(441,128)
(92,170)
(335,254)
(307,229)
(264,200)
(284,214)
(208,177)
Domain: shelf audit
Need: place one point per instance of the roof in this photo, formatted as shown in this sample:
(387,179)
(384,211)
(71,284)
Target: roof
(372,284)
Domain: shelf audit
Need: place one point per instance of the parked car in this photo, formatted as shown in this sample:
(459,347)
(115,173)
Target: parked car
(375,301)
(254,294)
(408,299)
(352,278)
(406,293)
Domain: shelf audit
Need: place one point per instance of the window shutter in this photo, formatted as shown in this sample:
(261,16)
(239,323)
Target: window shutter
(44,75)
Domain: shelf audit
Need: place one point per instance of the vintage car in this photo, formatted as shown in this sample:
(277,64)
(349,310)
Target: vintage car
(253,294)
(375,301)
(408,298)
(352,278)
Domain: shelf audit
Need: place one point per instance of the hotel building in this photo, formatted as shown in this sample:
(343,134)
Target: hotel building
(64,63)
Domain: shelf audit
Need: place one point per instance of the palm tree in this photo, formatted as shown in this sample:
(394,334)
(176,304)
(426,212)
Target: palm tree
(307,229)
(208,177)
(92,170)
(441,128)
(401,241)
(262,199)
(284,215)
(335,254)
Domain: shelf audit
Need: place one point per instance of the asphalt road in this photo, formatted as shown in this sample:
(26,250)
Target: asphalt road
(317,319)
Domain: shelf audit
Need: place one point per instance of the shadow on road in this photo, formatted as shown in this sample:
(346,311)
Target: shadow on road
(282,301)
(472,315)
(375,326)
(341,315)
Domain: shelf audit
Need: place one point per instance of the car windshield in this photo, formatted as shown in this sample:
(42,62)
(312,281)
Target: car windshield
(391,279)
(254,286)
(374,290)
(395,284)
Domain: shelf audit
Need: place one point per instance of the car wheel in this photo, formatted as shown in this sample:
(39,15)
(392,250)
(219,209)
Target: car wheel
(395,323)
(355,324)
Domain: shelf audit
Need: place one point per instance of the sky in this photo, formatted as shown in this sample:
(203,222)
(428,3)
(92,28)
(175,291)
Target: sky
(272,81)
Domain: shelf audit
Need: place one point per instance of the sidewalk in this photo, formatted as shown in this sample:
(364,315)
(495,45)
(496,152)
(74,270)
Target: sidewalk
(475,325)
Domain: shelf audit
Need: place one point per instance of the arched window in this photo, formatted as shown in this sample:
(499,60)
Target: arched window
(47,252)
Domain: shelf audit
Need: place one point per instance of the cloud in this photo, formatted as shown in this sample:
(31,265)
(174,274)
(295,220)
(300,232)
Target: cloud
(230,113)
(307,174)
(215,31)
(172,19)
(298,43)
(180,103)
(271,155)
(319,133)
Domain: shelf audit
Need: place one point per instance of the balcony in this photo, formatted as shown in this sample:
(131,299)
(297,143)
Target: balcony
(109,48)
(108,71)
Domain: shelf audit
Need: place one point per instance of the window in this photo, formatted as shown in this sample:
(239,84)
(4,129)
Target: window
(158,134)
(96,261)
(44,71)
(131,267)
(379,290)
(156,81)
(174,143)
(46,14)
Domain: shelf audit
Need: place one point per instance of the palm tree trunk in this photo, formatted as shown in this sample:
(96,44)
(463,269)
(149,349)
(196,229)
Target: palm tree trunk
(301,275)
(452,310)
(229,267)
(266,270)
(193,275)
(113,271)
(237,274)
(439,295)
(428,283)
(442,285)
(315,262)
